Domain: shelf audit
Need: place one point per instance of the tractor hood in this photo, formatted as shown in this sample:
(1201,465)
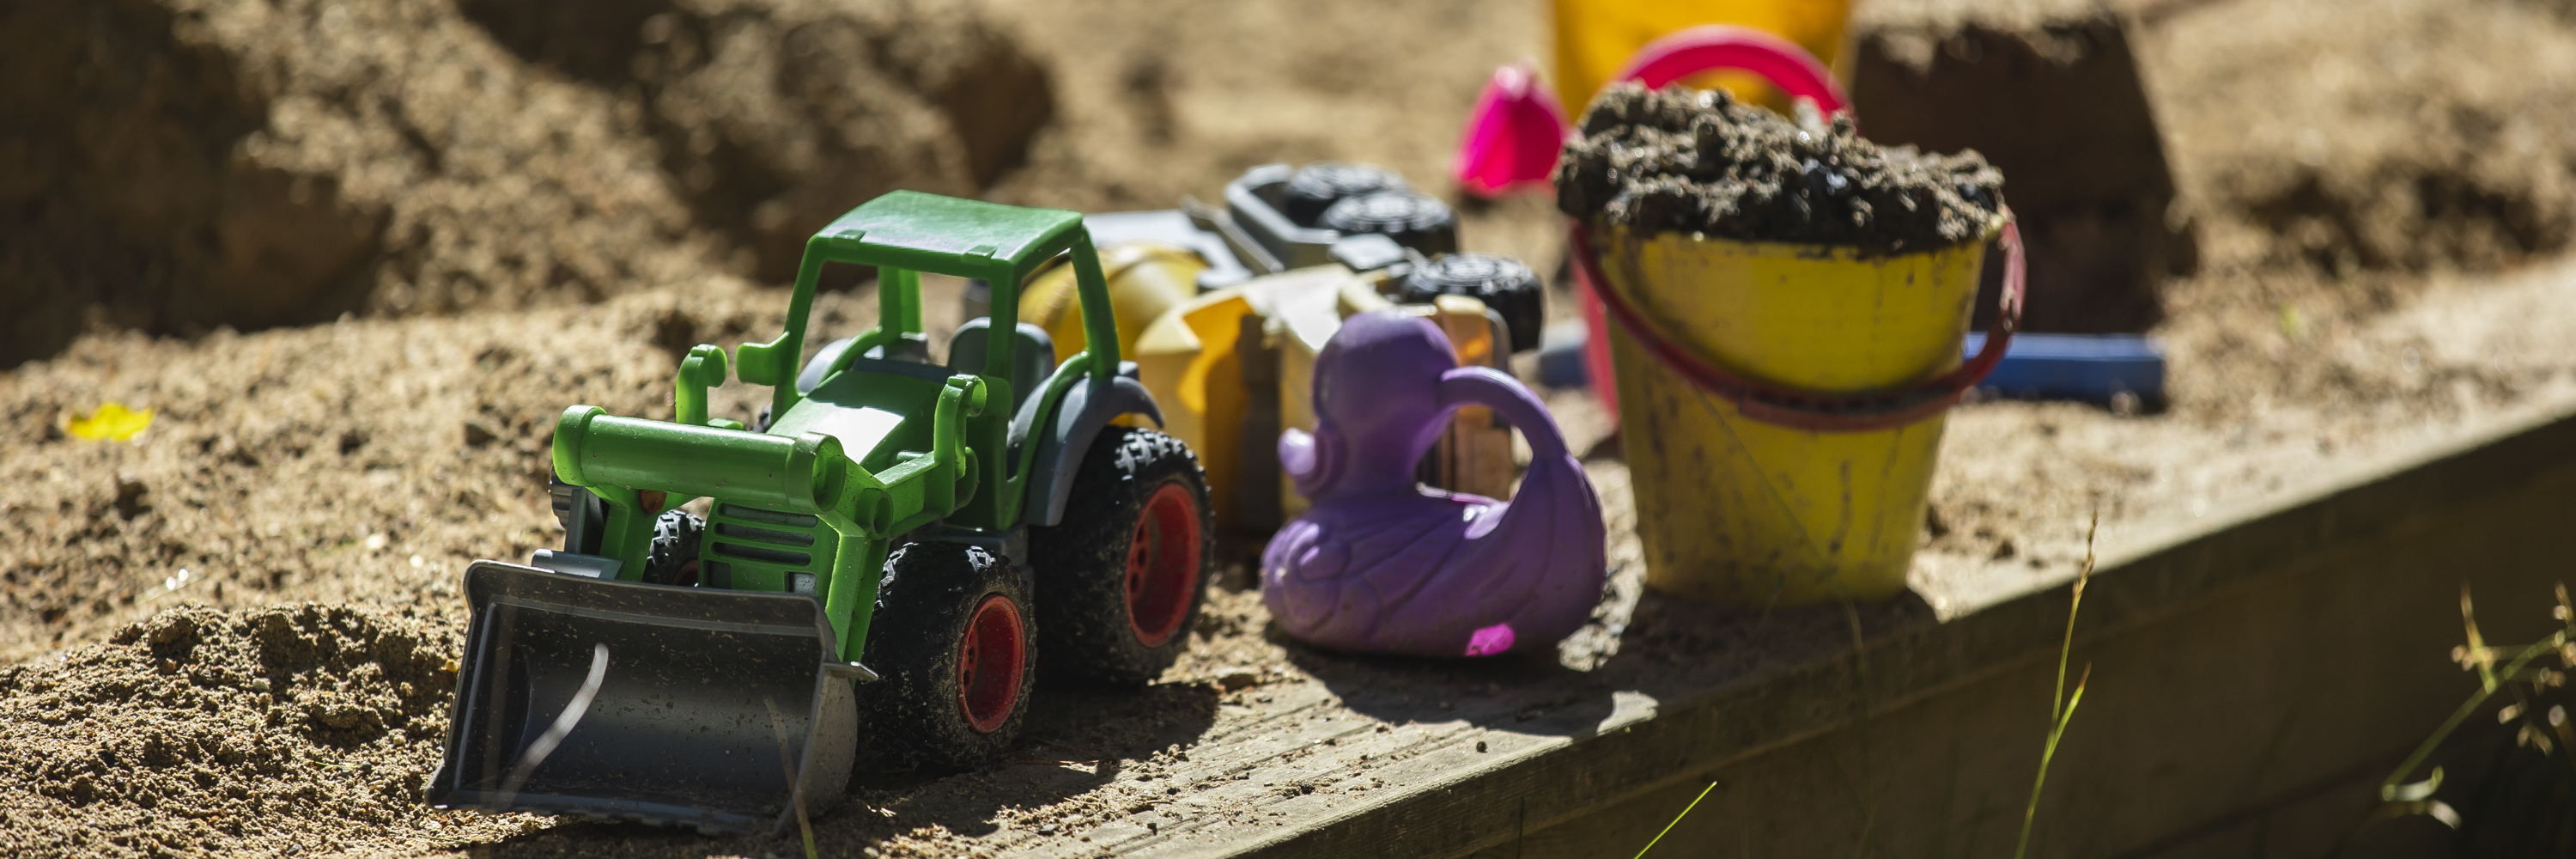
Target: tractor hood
(873,408)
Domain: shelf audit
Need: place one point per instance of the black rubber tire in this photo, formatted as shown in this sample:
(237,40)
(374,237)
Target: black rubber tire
(673,559)
(1502,283)
(1082,563)
(917,712)
(1413,219)
(1317,186)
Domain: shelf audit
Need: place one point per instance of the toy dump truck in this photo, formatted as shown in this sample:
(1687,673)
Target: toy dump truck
(885,553)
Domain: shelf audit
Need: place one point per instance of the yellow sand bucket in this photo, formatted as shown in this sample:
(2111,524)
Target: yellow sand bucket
(1188,358)
(1596,39)
(1783,404)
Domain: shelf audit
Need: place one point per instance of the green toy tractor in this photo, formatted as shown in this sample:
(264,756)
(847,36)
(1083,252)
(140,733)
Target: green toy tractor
(889,551)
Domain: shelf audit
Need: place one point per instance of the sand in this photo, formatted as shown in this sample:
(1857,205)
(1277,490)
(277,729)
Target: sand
(2377,188)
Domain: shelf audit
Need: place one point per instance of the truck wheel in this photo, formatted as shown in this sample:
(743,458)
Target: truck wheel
(1119,581)
(673,559)
(952,643)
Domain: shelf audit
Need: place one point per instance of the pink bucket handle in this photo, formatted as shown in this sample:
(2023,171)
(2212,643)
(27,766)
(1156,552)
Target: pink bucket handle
(1716,47)
(1807,410)
(1517,126)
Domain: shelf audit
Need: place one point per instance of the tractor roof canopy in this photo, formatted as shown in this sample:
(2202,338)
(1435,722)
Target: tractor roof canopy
(946,235)
(905,233)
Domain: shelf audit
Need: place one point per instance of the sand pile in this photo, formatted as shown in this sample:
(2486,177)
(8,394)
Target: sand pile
(2336,137)
(283,729)
(317,462)
(2340,159)
(175,166)
(2375,135)
(361,461)
(2051,93)
(2310,141)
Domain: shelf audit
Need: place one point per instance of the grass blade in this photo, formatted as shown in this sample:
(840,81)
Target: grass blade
(1677,819)
(2061,706)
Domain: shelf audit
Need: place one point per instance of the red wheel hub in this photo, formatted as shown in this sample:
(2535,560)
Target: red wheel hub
(990,657)
(1163,564)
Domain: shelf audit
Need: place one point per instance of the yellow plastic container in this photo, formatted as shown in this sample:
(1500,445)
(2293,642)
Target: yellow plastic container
(1192,359)
(1188,359)
(1595,38)
(1146,279)
(1747,513)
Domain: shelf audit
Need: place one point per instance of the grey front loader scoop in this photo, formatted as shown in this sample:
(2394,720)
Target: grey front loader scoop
(622,700)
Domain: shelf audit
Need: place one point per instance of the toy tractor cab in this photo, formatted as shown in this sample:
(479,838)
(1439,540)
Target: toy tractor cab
(887,553)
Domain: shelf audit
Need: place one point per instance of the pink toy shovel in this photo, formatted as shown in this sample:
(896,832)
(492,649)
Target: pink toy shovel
(1517,126)
(1512,135)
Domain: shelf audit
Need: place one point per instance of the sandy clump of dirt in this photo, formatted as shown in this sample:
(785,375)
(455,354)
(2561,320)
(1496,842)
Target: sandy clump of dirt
(1696,161)
(771,117)
(2332,137)
(290,728)
(176,166)
(2380,189)
(2377,135)
(1913,31)
(2050,92)
(2340,159)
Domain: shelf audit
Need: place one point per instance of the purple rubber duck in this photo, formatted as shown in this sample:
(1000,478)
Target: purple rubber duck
(1379,564)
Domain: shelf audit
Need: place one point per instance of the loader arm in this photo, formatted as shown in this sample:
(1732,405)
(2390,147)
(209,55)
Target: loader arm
(812,473)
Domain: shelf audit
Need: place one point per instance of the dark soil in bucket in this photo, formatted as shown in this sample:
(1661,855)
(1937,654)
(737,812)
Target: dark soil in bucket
(1698,161)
